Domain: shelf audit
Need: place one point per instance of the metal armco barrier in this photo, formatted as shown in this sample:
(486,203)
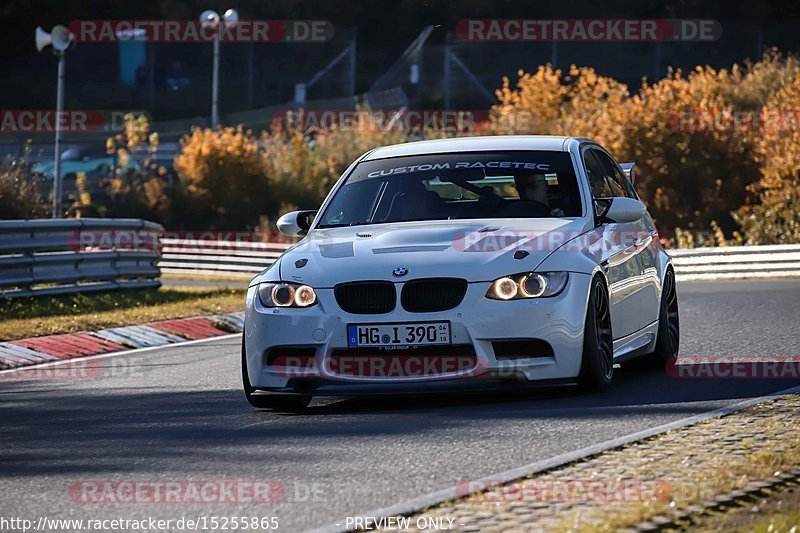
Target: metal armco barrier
(735,262)
(218,258)
(245,259)
(57,256)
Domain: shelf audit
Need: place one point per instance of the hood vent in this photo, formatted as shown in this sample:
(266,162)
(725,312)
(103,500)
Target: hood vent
(408,249)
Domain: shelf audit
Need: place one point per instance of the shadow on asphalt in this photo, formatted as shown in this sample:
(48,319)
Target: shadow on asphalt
(185,422)
(633,388)
(40,423)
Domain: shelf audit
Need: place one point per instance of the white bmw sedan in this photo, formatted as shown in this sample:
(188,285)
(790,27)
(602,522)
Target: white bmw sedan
(470,263)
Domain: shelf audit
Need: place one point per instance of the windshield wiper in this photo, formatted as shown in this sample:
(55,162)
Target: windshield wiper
(339,225)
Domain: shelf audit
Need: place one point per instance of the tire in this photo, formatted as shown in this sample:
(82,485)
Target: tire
(597,363)
(668,335)
(275,402)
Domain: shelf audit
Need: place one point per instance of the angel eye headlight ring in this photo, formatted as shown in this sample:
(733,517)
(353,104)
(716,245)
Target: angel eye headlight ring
(282,294)
(528,285)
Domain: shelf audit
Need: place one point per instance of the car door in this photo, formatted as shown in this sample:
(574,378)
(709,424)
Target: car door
(618,252)
(644,237)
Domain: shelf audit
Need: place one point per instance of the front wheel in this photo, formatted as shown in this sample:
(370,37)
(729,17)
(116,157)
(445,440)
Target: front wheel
(597,365)
(276,402)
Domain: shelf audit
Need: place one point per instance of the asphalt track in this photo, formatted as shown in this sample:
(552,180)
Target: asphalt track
(178,414)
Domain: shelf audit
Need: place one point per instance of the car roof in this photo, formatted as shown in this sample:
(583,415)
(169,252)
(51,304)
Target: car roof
(474,144)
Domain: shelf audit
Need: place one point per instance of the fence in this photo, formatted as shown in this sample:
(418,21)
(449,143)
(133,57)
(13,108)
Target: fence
(58,256)
(218,258)
(735,262)
(245,259)
(62,256)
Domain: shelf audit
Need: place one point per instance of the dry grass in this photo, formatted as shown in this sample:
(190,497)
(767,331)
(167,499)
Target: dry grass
(716,474)
(690,466)
(33,317)
(780,513)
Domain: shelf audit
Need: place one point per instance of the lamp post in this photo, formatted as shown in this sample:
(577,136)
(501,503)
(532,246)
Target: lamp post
(211,18)
(59,39)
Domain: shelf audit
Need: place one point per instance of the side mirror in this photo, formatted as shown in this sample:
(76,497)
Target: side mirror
(630,170)
(619,210)
(296,223)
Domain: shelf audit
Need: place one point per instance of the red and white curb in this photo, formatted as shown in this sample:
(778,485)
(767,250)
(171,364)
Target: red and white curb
(51,348)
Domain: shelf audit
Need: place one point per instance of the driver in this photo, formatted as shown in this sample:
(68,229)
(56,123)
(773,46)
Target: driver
(533,188)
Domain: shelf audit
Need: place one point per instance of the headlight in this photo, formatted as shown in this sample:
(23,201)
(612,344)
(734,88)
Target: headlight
(286,295)
(528,285)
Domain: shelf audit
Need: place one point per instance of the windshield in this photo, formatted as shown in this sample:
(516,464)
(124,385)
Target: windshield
(531,184)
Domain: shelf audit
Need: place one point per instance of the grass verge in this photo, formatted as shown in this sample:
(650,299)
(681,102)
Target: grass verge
(658,479)
(32,317)
(780,513)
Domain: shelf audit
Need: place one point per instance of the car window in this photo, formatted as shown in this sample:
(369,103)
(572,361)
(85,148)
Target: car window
(518,184)
(597,176)
(619,183)
(71,154)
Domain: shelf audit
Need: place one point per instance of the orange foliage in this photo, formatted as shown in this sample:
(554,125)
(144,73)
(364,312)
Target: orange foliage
(697,149)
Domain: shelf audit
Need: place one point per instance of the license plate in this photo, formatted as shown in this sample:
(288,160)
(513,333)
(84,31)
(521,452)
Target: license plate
(413,334)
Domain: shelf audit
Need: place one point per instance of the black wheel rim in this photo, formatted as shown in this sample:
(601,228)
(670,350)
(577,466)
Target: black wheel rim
(673,324)
(602,322)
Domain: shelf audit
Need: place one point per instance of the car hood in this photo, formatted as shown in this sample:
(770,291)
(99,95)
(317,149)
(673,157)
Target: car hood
(475,250)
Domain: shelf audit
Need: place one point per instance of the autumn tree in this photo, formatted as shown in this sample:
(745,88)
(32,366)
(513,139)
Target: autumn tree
(223,172)
(776,219)
(693,137)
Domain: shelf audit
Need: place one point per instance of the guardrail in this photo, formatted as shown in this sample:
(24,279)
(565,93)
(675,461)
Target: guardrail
(245,259)
(734,262)
(218,258)
(57,256)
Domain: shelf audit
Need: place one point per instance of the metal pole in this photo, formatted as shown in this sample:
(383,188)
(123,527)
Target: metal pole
(215,82)
(57,162)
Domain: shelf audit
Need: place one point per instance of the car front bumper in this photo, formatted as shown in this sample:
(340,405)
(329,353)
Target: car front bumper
(318,334)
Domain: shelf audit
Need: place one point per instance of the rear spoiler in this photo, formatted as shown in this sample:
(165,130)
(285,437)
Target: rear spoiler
(630,170)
